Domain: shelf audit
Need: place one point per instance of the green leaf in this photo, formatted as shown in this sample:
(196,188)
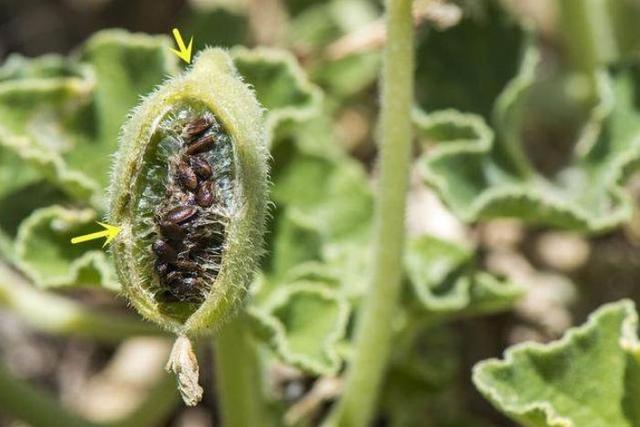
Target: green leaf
(467,66)
(465,162)
(62,115)
(59,122)
(303,322)
(328,225)
(444,281)
(33,105)
(589,378)
(483,172)
(323,206)
(23,196)
(280,84)
(316,27)
(43,250)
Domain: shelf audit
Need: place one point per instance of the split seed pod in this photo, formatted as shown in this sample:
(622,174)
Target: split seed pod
(188,190)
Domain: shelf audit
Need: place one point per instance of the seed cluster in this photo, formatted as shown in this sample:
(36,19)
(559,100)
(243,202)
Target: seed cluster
(189,224)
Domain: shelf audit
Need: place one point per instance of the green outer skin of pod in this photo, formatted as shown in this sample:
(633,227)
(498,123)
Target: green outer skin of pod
(213,81)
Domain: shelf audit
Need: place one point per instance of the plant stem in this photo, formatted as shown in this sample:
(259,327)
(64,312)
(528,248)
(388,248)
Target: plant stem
(374,329)
(24,402)
(589,36)
(54,314)
(237,374)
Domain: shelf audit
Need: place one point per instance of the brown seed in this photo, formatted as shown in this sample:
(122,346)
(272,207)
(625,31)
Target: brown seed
(198,243)
(200,145)
(187,177)
(164,251)
(205,195)
(171,231)
(201,167)
(180,214)
(161,268)
(186,265)
(171,277)
(186,287)
(196,127)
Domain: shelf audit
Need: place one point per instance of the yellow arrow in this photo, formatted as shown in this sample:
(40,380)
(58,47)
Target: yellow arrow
(185,52)
(110,232)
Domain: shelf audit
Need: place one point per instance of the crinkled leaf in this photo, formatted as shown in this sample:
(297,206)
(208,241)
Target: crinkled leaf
(313,30)
(280,84)
(216,23)
(294,243)
(590,378)
(34,106)
(348,76)
(323,215)
(464,164)
(484,173)
(320,194)
(303,323)
(322,198)
(467,66)
(63,115)
(330,195)
(44,253)
(23,200)
(444,280)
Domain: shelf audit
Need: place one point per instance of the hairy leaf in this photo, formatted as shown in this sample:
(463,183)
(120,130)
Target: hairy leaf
(590,378)
(445,281)
(304,322)
(44,253)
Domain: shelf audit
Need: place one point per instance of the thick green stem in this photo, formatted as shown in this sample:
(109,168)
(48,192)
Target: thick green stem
(59,315)
(24,402)
(237,375)
(588,34)
(374,330)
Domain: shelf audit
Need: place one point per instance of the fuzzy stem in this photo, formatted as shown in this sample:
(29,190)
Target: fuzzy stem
(589,36)
(237,375)
(26,403)
(58,315)
(374,329)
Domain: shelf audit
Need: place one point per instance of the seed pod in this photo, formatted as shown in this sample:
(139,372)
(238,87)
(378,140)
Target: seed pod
(211,109)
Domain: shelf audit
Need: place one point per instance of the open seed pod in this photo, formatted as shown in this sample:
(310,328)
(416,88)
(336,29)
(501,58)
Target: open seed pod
(188,190)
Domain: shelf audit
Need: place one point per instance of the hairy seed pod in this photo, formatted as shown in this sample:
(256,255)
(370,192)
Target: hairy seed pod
(185,262)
